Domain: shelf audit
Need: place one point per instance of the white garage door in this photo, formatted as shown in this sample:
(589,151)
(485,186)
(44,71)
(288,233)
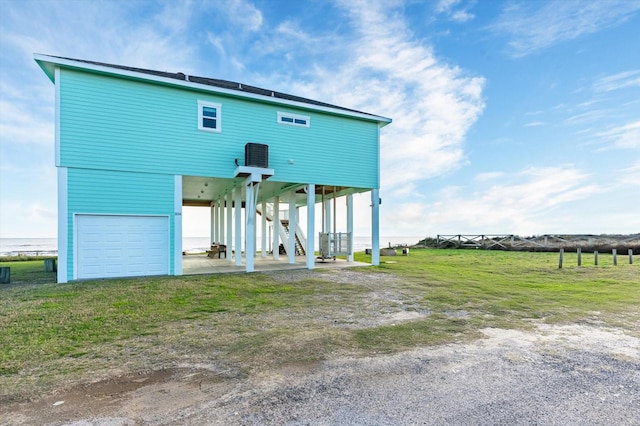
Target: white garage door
(122,246)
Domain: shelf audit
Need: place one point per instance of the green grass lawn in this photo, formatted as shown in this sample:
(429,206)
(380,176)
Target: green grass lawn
(468,290)
(51,332)
(27,270)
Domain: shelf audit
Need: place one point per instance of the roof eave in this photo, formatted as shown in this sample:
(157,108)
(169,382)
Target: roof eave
(47,66)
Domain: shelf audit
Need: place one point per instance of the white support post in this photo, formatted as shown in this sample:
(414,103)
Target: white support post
(177,225)
(229,200)
(292,228)
(311,219)
(250,227)
(350,226)
(238,244)
(63,220)
(218,223)
(375,227)
(63,196)
(276,228)
(263,228)
(221,221)
(327,216)
(212,216)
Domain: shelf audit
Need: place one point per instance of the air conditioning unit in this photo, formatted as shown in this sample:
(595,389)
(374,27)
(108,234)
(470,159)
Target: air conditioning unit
(256,155)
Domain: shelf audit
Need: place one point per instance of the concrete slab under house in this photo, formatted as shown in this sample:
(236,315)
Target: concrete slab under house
(134,146)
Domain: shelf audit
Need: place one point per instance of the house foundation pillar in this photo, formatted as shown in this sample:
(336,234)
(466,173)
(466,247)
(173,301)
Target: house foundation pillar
(350,226)
(177,225)
(311,233)
(292,228)
(375,226)
(276,228)
(212,217)
(220,222)
(238,233)
(229,201)
(250,227)
(263,228)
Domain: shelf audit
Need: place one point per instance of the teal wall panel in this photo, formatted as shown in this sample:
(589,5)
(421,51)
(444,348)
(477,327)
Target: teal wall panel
(123,124)
(114,192)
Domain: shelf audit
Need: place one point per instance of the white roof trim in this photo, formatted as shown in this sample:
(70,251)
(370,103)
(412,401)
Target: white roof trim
(46,62)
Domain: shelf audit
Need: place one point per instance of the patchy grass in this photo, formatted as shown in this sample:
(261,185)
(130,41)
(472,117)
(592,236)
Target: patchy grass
(53,334)
(480,289)
(519,284)
(435,330)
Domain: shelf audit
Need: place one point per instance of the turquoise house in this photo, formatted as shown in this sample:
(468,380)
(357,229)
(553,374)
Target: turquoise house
(133,146)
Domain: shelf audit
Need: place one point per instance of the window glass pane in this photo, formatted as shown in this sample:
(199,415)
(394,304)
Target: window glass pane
(209,123)
(209,112)
(300,121)
(287,119)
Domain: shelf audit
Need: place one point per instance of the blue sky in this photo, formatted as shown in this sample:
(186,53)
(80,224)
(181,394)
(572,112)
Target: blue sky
(509,116)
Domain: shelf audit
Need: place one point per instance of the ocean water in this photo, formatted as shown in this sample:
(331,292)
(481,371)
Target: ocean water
(49,246)
(28,246)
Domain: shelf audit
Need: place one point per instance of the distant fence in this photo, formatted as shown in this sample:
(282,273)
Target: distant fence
(538,243)
(614,253)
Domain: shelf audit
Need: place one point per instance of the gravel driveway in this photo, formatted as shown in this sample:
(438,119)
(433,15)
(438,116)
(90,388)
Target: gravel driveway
(554,375)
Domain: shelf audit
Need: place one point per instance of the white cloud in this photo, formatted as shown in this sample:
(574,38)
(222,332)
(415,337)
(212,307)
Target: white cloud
(521,203)
(289,39)
(385,70)
(631,175)
(175,16)
(109,33)
(534,124)
(35,220)
(446,5)
(624,137)
(28,194)
(462,16)
(292,30)
(532,26)
(587,117)
(244,14)
(622,80)
(19,125)
(217,43)
(449,8)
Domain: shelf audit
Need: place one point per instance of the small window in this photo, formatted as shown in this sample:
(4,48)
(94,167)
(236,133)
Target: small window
(209,116)
(294,119)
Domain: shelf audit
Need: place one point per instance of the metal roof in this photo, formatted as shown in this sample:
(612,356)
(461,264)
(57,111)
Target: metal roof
(48,63)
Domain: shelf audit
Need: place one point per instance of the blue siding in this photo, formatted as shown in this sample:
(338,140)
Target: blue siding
(121,124)
(109,192)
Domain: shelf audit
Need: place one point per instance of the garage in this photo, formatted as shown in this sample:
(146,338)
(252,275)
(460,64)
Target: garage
(121,246)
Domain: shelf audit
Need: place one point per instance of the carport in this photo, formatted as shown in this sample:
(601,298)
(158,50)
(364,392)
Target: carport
(237,204)
(200,264)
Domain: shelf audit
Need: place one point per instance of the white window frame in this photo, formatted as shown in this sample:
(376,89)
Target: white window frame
(218,107)
(293,118)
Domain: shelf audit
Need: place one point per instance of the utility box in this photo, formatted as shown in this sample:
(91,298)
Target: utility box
(5,275)
(334,244)
(256,155)
(50,265)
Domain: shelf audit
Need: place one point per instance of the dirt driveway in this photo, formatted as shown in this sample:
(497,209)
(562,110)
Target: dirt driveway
(560,375)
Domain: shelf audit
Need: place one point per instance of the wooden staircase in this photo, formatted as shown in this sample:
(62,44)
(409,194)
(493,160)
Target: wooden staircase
(284,236)
(299,246)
